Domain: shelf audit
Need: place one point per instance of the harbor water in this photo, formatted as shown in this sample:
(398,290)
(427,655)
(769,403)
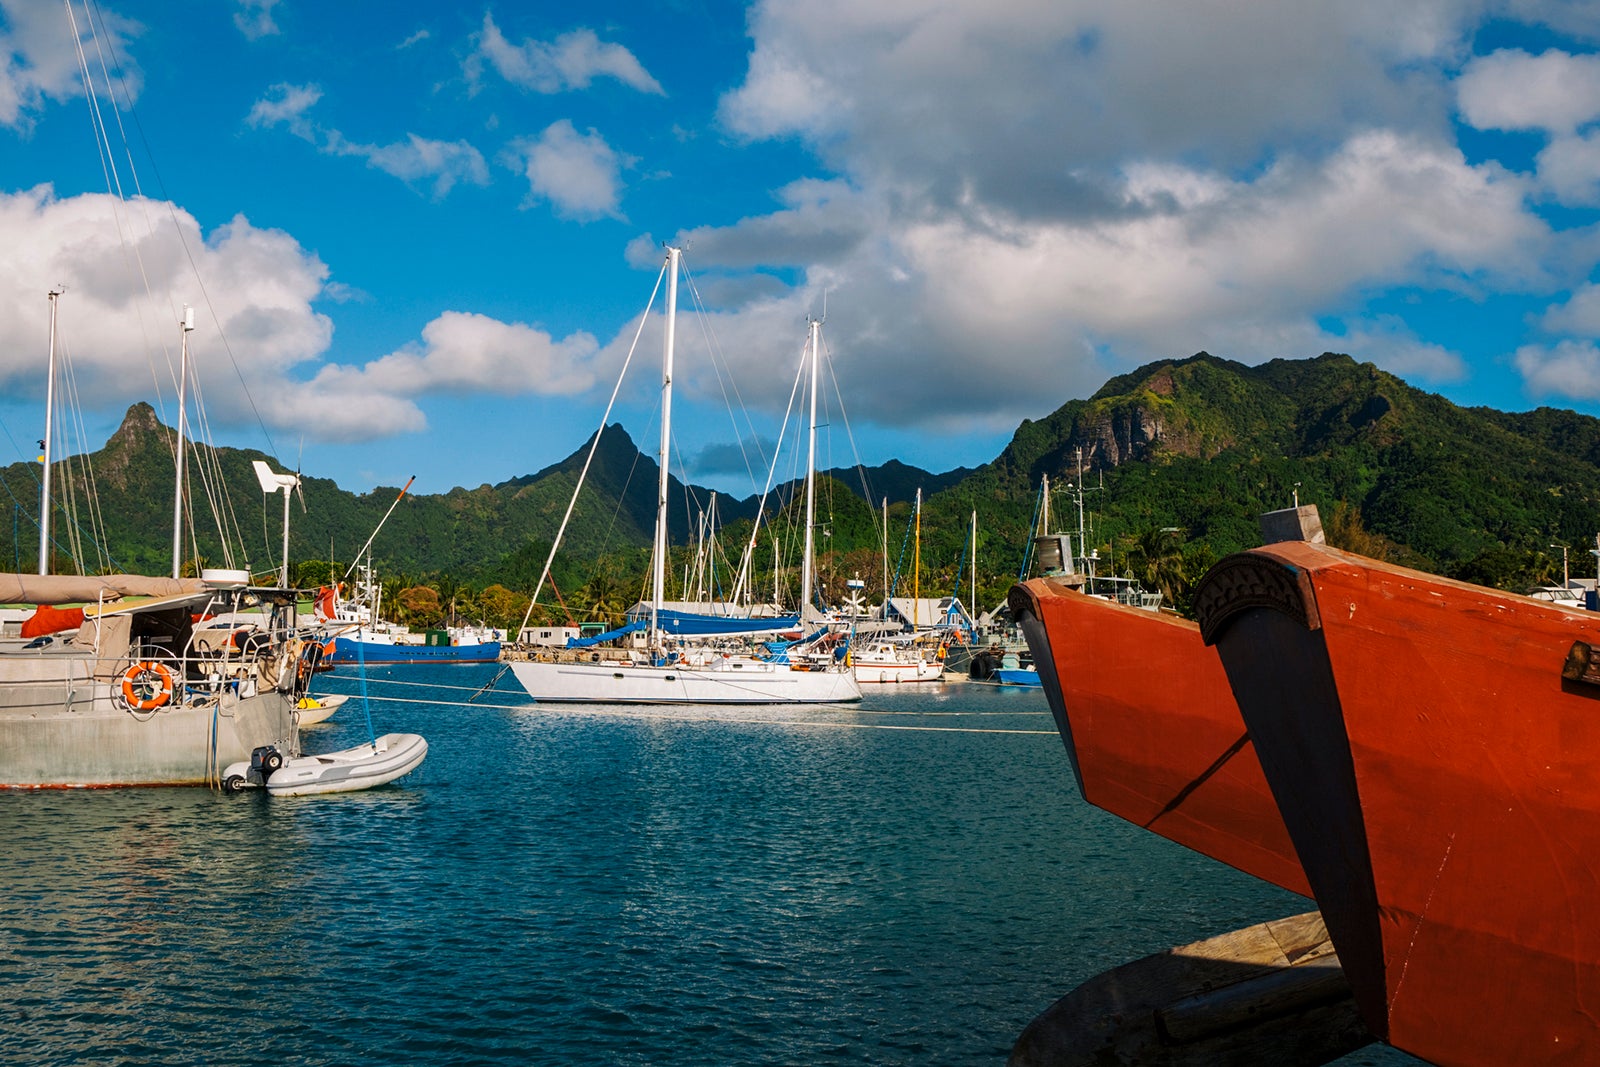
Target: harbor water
(905,881)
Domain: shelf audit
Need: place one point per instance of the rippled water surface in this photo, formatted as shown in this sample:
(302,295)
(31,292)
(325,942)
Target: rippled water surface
(909,881)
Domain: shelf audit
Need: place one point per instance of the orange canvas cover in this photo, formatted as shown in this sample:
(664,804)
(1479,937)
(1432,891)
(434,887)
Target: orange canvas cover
(51,620)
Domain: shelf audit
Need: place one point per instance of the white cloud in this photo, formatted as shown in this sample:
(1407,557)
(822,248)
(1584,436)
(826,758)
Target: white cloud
(415,159)
(1025,105)
(419,159)
(1392,345)
(1570,370)
(1196,260)
(461,352)
(571,61)
(286,104)
(254,18)
(38,62)
(261,285)
(1512,90)
(579,174)
(1580,315)
(1569,168)
(819,222)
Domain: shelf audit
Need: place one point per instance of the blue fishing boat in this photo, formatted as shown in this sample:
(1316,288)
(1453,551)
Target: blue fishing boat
(361,636)
(1012,671)
(376,651)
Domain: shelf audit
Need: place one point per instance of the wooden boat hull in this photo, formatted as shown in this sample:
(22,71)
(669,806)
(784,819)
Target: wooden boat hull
(1437,774)
(1152,728)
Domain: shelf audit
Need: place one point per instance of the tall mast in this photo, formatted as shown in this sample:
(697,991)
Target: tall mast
(972,605)
(186,326)
(811,473)
(1083,534)
(659,578)
(916,568)
(885,557)
(49,433)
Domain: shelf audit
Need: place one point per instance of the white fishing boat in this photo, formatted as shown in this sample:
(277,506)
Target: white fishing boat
(377,763)
(893,661)
(665,670)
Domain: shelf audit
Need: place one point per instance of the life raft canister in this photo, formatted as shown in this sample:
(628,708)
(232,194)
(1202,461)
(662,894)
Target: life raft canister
(147,685)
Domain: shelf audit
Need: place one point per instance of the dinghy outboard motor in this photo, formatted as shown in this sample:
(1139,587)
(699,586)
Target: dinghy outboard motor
(265,760)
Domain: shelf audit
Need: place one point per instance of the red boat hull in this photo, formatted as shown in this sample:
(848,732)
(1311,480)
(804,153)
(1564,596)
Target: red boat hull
(1442,783)
(1152,728)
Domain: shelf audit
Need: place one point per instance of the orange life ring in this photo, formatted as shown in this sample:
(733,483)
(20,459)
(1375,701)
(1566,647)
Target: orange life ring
(147,677)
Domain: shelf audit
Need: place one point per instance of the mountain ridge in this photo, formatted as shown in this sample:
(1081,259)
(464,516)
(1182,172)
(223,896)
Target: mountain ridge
(1198,446)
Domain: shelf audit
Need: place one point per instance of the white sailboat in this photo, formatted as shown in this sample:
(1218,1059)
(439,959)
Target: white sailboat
(653,672)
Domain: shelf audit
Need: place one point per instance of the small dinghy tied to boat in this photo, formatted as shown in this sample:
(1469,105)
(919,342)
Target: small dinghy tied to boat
(381,760)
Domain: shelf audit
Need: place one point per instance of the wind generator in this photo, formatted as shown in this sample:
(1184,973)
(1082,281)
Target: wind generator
(272,483)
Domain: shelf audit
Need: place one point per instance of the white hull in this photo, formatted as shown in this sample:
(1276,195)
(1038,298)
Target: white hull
(873,673)
(320,709)
(363,767)
(751,682)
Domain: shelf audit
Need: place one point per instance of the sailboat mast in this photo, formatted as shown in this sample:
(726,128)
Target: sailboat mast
(972,605)
(186,327)
(49,433)
(1083,534)
(886,557)
(916,568)
(659,577)
(811,474)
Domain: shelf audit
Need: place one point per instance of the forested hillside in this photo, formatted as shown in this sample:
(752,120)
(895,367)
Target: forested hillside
(1178,459)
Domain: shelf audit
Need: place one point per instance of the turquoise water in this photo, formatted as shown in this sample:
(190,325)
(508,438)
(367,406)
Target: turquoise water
(908,881)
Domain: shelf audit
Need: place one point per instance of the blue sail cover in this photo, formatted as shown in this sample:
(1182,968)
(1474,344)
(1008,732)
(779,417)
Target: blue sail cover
(779,650)
(691,624)
(609,635)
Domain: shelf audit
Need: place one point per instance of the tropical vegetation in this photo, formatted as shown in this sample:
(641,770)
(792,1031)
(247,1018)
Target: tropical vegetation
(1171,463)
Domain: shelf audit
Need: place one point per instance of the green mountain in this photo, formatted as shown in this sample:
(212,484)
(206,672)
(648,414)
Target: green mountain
(1178,459)
(468,532)
(1202,446)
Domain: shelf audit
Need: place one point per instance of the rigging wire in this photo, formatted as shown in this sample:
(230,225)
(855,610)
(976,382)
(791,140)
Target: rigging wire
(133,114)
(593,447)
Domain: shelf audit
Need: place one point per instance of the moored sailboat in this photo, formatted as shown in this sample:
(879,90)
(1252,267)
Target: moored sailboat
(661,668)
(134,694)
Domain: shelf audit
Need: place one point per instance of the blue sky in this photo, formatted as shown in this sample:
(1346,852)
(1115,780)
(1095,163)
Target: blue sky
(419,240)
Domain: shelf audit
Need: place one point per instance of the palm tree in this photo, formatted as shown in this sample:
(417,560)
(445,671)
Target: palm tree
(603,592)
(1156,559)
